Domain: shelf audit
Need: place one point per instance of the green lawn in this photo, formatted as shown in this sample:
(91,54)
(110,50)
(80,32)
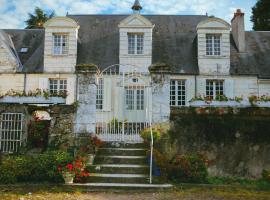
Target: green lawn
(52,192)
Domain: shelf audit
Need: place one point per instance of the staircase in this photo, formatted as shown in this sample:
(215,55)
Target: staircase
(121,165)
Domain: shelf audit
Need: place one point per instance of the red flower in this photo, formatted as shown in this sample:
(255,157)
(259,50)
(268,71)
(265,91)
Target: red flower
(69,166)
(59,168)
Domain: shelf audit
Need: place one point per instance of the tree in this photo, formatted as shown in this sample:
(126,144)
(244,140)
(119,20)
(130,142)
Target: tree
(38,19)
(261,15)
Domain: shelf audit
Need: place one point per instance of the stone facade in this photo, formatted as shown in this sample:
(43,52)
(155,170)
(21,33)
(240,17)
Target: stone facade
(61,124)
(235,141)
(86,112)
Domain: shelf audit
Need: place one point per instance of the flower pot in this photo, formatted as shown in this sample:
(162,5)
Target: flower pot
(68,179)
(91,158)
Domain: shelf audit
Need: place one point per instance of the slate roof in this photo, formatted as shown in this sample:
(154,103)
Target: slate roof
(33,39)
(174,43)
(256,59)
(174,40)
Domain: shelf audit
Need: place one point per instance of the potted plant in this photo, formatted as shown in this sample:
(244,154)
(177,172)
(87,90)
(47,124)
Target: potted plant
(67,173)
(89,147)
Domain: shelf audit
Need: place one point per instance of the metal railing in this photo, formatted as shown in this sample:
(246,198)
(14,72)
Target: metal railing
(151,152)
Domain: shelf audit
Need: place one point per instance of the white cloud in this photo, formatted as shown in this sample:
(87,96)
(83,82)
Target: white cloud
(13,13)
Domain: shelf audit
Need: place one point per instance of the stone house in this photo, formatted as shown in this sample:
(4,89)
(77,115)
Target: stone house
(128,71)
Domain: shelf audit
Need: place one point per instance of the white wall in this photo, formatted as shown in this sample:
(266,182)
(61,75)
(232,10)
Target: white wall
(213,65)
(136,24)
(264,87)
(35,81)
(60,63)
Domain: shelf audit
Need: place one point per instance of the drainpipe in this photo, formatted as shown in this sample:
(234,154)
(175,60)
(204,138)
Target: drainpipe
(76,87)
(195,85)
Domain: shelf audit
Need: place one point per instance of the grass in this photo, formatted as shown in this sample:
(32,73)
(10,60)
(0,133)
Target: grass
(195,192)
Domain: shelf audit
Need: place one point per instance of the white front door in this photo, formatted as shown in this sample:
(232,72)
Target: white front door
(135,104)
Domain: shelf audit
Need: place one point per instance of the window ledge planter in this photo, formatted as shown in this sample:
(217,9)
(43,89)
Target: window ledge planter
(263,104)
(33,100)
(200,103)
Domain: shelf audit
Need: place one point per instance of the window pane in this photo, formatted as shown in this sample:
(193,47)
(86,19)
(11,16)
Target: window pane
(216,45)
(219,89)
(64,44)
(140,99)
(57,85)
(100,91)
(130,99)
(131,43)
(140,41)
(213,44)
(209,45)
(60,44)
(210,89)
(178,93)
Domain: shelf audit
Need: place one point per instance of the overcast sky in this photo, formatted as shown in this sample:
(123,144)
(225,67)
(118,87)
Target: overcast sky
(13,13)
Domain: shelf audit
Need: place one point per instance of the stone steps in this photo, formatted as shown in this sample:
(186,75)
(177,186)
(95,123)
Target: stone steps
(139,160)
(119,169)
(114,186)
(121,165)
(126,145)
(122,151)
(117,178)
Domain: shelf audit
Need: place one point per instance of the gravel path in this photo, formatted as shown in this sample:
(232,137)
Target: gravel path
(188,194)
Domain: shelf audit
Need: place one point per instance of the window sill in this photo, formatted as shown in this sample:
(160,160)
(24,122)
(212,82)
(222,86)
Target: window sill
(214,57)
(60,55)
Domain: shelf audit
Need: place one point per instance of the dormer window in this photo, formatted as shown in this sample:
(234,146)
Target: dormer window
(135,43)
(60,44)
(213,45)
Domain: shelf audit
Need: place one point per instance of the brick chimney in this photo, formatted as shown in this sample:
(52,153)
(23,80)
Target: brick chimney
(238,30)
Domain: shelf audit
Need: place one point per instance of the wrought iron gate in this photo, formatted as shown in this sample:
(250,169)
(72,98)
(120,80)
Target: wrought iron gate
(123,103)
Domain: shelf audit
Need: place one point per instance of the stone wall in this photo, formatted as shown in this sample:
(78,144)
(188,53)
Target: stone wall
(236,141)
(86,112)
(61,128)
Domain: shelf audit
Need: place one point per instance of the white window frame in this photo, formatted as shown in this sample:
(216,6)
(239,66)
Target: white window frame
(135,99)
(214,88)
(178,92)
(60,44)
(100,94)
(11,132)
(213,44)
(57,85)
(135,43)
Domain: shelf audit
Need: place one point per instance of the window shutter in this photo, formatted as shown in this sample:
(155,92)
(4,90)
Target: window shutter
(43,83)
(229,88)
(107,102)
(70,90)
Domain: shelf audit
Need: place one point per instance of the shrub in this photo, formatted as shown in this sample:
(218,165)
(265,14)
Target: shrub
(266,175)
(188,168)
(47,164)
(33,169)
(7,170)
(146,134)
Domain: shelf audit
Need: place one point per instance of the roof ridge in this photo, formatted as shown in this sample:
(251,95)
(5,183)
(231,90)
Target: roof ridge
(130,14)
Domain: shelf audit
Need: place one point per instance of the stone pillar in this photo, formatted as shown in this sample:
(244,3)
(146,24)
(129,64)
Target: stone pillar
(85,117)
(160,78)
